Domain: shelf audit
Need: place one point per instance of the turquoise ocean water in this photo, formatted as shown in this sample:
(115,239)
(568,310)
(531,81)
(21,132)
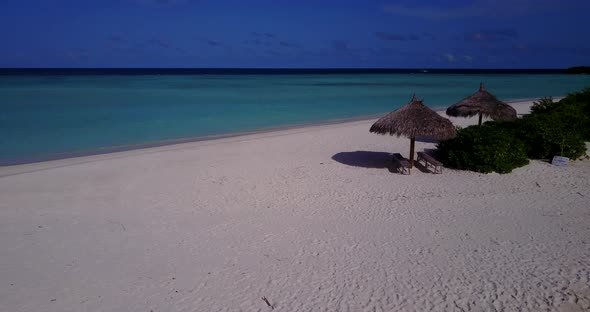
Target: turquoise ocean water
(47,116)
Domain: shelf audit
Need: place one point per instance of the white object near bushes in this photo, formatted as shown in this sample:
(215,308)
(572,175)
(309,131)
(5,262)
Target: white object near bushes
(560,161)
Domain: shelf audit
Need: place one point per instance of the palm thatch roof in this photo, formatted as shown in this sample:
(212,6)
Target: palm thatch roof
(415,120)
(482,103)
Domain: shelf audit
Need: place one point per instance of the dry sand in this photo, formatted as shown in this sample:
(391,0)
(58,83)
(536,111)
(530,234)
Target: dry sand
(311,219)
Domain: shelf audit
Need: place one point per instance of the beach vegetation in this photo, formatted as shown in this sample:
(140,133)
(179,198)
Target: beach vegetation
(557,128)
(553,128)
(550,134)
(486,148)
(578,70)
(543,105)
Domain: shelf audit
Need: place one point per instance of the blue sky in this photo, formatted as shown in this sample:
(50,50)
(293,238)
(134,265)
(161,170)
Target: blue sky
(295,34)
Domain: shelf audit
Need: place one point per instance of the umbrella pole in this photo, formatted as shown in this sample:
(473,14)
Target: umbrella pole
(480,118)
(412,141)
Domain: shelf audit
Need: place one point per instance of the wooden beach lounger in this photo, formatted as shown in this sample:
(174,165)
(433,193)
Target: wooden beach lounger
(402,165)
(429,161)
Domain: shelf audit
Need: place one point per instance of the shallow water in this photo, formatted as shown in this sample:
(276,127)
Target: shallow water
(43,115)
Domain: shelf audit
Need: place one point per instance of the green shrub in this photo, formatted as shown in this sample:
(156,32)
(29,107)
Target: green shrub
(487,148)
(557,128)
(551,133)
(552,128)
(577,70)
(576,107)
(543,105)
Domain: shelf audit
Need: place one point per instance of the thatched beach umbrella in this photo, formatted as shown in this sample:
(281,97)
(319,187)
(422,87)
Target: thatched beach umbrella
(414,120)
(483,103)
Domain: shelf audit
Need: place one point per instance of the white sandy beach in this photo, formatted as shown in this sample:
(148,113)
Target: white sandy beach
(311,219)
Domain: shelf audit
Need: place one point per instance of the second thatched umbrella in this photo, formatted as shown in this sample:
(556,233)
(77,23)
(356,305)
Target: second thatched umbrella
(482,103)
(414,120)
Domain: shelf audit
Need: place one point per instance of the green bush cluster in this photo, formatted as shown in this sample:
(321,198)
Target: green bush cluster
(578,70)
(552,128)
(486,148)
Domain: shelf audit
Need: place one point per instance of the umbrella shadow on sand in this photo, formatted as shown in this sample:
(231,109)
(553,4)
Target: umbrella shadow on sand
(367,159)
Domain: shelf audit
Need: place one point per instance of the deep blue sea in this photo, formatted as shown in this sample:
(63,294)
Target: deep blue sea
(53,113)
